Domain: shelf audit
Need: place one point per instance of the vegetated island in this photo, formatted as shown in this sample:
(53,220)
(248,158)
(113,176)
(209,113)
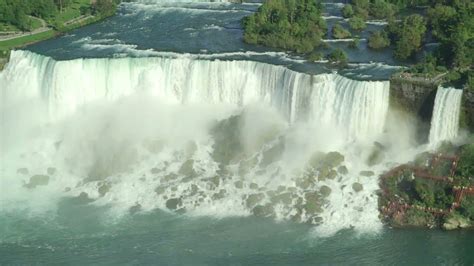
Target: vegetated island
(24,22)
(437,189)
(298,26)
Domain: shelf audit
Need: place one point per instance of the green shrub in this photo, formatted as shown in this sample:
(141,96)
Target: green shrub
(347,11)
(338,32)
(338,56)
(378,40)
(357,23)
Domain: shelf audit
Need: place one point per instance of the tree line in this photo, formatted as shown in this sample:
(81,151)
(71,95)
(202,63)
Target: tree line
(16,12)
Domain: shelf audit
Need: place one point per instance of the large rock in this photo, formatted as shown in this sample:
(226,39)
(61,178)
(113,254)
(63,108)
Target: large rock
(367,173)
(263,210)
(456,222)
(313,203)
(284,198)
(37,180)
(187,169)
(325,191)
(174,203)
(328,160)
(342,170)
(254,199)
(23,171)
(104,188)
(357,187)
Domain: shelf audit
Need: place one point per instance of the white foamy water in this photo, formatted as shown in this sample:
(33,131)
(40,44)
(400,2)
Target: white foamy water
(445,120)
(208,137)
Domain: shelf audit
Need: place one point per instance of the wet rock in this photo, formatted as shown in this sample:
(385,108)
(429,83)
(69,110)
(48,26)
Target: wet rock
(154,170)
(82,198)
(313,203)
(376,156)
(273,154)
(226,135)
(342,170)
(23,171)
(332,174)
(38,180)
(260,172)
(367,173)
(325,191)
(330,160)
(455,222)
(263,210)
(160,190)
(187,169)
(315,160)
(213,183)
(193,190)
(315,220)
(296,218)
(174,203)
(323,173)
(134,209)
(51,170)
(254,199)
(239,184)
(333,159)
(104,188)
(305,182)
(357,187)
(253,186)
(285,198)
(219,195)
(170,177)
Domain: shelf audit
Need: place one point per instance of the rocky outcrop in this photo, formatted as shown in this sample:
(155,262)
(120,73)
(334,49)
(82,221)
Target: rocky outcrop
(467,110)
(456,222)
(3,62)
(413,95)
(417,96)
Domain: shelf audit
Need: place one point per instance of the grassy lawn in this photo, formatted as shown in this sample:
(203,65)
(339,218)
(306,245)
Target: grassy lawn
(73,11)
(35,23)
(7,27)
(7,45)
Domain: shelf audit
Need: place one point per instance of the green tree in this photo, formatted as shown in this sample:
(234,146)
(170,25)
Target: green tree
(409,36)
(338,32)
(357,23)
(347,11)
(378,40)
(338,56)
(380,9)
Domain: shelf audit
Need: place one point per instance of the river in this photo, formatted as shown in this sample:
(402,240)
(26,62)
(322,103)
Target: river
(158,137)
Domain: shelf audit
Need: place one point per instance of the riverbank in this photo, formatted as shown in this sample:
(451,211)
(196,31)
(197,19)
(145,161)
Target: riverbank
(434,191)
(80,14)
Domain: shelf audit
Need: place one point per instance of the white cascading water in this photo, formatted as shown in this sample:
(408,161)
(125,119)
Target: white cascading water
(359,108)
(135,132)
(445,120)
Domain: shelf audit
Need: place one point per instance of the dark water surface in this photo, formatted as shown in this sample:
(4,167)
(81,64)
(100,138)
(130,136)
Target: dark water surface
(80,234)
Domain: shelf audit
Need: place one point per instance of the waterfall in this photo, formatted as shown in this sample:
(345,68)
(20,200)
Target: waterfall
(212,137)
(358,108)
(445,120)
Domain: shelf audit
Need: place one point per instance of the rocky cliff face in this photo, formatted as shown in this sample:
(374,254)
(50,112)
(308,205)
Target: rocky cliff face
(467,111)
(417,96)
